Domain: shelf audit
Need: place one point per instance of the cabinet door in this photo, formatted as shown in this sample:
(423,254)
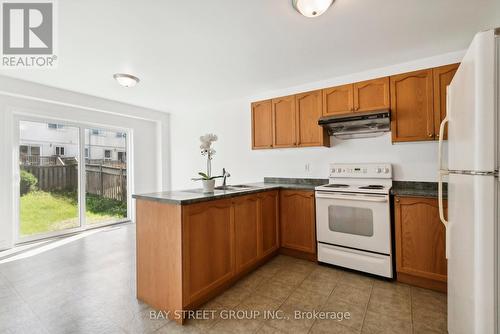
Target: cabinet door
(372,95)
(309,133)
(412,114)
(420,238)
(284,134)
(246,231)
(442,78)
(338,100)
(297,219)
(269,212)
(262,125)
(208,243)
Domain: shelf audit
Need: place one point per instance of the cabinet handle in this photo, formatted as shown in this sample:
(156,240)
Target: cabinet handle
(430,135)
(437,135)
(397,199)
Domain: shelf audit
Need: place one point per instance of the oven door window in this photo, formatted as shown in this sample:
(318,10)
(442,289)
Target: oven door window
(350,220)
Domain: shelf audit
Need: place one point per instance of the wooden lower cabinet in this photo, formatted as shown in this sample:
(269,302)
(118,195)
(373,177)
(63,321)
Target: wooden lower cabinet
(420,243)
(298,221)
(188,254)
(246,231)
(208,247)
(269,218)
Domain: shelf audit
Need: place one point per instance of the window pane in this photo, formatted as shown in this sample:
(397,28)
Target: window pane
(48,186)
(351,220)
(35,150)
(106,176)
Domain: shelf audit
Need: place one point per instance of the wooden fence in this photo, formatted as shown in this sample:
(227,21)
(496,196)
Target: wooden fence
(109,182)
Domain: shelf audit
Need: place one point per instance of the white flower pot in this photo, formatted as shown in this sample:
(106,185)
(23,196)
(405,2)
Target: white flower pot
(208,186)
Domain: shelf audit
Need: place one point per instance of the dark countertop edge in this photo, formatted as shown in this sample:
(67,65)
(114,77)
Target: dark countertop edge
(200,197)
(417,189)
(399,188)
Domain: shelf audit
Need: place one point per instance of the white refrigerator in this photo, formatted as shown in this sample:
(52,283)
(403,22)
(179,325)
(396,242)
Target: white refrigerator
(471,169)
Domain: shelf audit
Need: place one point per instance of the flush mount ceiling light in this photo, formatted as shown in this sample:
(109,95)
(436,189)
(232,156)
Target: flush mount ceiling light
(126,80)
(312,8)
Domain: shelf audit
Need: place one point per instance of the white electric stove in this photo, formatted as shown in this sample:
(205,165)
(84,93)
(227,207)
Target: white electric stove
(353,221)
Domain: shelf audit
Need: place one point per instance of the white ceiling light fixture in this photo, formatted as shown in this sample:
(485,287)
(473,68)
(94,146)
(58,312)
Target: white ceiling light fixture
(126,80)
(312,8)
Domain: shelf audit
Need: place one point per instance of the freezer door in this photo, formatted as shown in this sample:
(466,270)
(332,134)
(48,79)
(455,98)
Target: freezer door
(470,242)
(471,108)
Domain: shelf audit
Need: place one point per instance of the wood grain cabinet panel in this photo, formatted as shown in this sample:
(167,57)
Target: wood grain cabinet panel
(269,213)
(309,109)
(262,125)
(246,231)
(208,244)
(297,220)
(442,78)
(412,106)
(420,242)
(284,122)
(372,95)
(338,100)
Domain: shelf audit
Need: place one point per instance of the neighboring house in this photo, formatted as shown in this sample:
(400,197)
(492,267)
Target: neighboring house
(51,139)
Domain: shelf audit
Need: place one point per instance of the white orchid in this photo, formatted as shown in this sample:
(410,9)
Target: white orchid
(207,150)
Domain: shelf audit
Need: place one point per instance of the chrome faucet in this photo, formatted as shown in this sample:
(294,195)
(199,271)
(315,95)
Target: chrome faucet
(225,175)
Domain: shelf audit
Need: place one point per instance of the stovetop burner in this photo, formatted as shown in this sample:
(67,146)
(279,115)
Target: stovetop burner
(337,185)
(372,186)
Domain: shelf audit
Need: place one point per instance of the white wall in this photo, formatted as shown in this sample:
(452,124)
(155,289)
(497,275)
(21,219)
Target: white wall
(149,141)
(231,121)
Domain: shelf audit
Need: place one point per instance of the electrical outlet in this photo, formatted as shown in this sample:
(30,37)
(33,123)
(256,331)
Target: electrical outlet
(307,167)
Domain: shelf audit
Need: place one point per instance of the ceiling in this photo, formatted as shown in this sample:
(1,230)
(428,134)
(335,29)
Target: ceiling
(190,53)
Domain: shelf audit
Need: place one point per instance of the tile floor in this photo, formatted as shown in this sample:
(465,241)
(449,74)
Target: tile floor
(88,286)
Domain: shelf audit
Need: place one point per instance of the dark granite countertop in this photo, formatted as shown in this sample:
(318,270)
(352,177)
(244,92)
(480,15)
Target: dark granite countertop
(417,189)
(190,196)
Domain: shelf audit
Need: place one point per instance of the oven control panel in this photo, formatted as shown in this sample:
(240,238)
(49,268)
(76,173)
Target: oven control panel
(373,171)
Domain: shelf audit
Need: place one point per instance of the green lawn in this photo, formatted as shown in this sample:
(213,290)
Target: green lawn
(52,211)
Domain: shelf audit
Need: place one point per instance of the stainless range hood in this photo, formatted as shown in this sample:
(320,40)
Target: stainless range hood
(358,125)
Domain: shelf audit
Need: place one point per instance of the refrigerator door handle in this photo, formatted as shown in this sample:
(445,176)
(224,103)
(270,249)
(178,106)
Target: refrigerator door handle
(441,212)
(440,146)
(440,198)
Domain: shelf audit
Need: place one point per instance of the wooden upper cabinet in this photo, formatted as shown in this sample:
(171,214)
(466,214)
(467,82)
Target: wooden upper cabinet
(442,78)
(338,100)
(262,125)
(412,106)
(297,219)
(420,241)
(284,134)
(309,108)
(246,231)
(372,95)
(269,215)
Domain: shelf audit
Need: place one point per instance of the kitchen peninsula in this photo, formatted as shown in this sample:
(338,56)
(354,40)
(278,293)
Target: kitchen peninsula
(191,246)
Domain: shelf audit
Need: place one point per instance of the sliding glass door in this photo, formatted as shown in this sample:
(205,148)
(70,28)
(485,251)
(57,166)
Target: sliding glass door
(72,177)
(105,176)
(49,169)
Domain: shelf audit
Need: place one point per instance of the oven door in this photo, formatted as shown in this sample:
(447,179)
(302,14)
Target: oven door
(360,221)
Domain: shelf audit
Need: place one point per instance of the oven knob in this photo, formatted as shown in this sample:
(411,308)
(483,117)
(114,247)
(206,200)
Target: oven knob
(333,170)
(386,170)
(378,170)
(339,170)
(364,170)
